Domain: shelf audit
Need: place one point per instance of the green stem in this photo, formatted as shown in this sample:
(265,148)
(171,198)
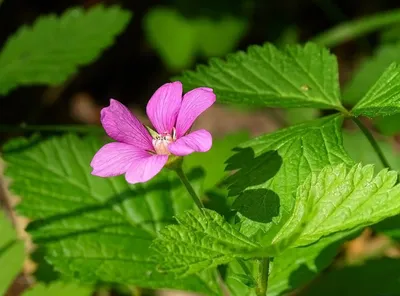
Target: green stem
(356,28)
(189,187)
(262,276)
(373,142)
(77,128)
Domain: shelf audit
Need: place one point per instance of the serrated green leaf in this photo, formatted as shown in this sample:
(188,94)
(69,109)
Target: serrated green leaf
(290,270)
(213,161)
(297,76)
(11,254)
(369,72)
(372,278)
(278,163)
(52,49)
(384,97)
(342,199)
(202,240)
(97,229)
(59,289)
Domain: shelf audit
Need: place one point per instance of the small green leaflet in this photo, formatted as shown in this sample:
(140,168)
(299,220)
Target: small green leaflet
(296,76)
(384,97)
(54,47)
(11,254)
(272,166)
(97,229)
(341,199)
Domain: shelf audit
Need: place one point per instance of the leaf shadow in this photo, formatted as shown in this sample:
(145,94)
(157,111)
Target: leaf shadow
(251,170)
(260,205)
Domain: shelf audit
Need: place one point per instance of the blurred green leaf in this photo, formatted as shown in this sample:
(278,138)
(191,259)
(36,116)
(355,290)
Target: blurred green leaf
(59,289)
(213,162)
(11,254)
(352,142)
(172,36)
(216,38)
(53,48)
(383,98)
(369,72)
(178,40)
(278,163)
(341,199)
(372,278)
(96,229)
(388,125)
(297,76)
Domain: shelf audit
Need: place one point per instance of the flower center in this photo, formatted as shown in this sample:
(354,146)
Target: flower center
(160,143)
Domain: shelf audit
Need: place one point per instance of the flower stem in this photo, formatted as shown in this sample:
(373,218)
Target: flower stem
(262,276)
(373,142)
(189,187)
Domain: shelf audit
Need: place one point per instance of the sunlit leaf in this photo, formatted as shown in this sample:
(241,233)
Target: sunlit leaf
(383,98)
(59,289)
(96,229)
(297,76)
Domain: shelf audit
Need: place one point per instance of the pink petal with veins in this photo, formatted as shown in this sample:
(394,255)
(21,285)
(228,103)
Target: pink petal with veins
(164,105)
(145,168)
(194,103)
(121,125)
(197,141)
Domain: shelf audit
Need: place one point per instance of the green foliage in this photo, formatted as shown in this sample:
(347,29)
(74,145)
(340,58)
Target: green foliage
(212,162)
(290,270)
(51,50)
(178,40)
(296,76)
(369,72)
(341,199)
(374,277)
(384,96)
(96,229)
(388,125)
(59,289)
(11,254)
(274,165)
(203,239)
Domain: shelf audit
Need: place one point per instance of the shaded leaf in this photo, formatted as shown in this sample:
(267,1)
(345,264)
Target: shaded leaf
(51,50)
(280,162)
(297,76)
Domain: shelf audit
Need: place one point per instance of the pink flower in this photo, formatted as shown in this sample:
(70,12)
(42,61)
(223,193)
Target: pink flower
(136,153)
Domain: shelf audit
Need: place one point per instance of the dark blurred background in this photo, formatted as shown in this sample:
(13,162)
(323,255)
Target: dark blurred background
(131,69)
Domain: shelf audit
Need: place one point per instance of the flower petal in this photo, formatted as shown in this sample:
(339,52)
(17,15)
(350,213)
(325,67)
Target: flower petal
(164,105)
(194,103)
(115,159)
(199,141)
(121,125)
(145,168)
